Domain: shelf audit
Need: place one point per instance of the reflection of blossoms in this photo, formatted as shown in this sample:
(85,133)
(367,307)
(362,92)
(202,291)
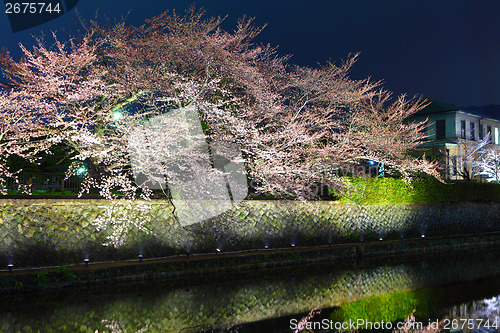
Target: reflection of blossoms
(302,324)
(117,326)
(489,310)
(411,326)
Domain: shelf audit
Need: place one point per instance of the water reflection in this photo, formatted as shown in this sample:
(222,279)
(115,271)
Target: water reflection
(475,316)
(269,301)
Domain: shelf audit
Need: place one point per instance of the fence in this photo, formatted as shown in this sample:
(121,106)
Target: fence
(44,182)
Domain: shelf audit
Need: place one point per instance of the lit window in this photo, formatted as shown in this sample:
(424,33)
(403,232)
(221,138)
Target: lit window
(496,135)
(462,129)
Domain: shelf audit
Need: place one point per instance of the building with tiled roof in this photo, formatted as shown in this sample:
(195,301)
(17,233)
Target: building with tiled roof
(449,130)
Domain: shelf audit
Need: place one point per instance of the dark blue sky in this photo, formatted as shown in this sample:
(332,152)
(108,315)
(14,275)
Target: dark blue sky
(447,50)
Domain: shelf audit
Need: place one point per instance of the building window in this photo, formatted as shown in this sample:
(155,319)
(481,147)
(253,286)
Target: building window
(496,135)
(481,130)
(453,165)
(472,131)
(462,129)
(488,131)
(440,129)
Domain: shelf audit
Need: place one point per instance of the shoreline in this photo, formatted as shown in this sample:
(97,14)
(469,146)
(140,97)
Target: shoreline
(183,268)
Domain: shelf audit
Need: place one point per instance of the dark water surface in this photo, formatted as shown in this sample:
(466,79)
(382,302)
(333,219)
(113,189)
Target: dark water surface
(455,286)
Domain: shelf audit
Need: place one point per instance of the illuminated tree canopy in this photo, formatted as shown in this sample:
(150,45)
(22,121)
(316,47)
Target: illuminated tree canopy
(293,124)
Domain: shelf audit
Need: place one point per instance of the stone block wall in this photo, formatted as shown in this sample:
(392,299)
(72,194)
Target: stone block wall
(37,232)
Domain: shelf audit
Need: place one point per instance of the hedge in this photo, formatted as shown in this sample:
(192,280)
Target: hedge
(383,191)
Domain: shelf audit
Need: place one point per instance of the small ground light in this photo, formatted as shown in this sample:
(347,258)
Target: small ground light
(10,266)
(293,244)
(86,261)
(266,247)
(217,251)
(423,235)
(140,257)
(380,239)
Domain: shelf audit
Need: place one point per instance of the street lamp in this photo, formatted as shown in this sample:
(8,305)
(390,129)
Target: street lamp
(117,115)
(380,167)
(81,171)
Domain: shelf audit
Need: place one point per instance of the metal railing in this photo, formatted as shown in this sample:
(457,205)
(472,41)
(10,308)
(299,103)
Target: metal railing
(43,182)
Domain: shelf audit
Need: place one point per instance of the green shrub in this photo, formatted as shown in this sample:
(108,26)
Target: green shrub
(42,278)
(381,191)
(63,274)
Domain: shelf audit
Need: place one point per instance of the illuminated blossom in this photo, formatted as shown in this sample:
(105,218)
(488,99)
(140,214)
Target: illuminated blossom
(293,124)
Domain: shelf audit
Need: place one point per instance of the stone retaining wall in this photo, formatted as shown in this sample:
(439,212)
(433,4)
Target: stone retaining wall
(37,232)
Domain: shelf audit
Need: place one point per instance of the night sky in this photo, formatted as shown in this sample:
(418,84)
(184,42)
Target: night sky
(446,50)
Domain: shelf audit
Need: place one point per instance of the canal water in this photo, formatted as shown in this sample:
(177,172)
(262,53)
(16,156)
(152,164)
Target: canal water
(456,291)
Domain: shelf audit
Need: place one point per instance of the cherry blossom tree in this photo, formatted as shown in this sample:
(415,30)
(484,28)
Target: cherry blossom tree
(64,92)
(488,162)
(471,154)
(20,134)
(293,124)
